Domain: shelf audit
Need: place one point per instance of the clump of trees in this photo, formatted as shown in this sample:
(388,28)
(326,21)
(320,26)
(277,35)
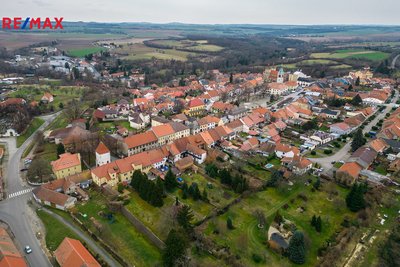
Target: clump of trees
(176,245)
(237,182)
(275,179)
(150,191)
(316,222)
(355,199)
(296,250)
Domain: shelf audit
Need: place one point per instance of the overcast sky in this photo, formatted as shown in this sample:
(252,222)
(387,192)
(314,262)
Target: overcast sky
(211,11)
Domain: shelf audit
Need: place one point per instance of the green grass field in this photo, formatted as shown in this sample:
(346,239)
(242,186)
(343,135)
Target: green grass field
(35,124)
(84,51)
(121,235)
(247,239)
(61,94)
(352,54)
(55,230)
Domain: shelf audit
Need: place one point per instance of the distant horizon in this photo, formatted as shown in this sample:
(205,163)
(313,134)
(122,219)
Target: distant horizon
(211,12)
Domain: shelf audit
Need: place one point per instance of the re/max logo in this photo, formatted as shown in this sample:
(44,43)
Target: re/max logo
(32,23)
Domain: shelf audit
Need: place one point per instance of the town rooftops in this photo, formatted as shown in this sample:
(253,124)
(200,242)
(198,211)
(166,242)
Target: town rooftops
(163,130)
(71,253)
(196,102)
(66,160)
(140,139)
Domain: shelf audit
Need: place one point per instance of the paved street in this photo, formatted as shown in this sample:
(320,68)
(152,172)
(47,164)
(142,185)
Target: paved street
(13,211)
(343,153)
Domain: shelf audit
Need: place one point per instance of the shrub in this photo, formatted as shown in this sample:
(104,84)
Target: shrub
(313,153)
(327,151)
(257,258)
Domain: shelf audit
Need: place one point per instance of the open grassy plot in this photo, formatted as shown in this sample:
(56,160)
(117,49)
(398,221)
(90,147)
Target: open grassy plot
(84,51)
(352,54)
(248,239)
(35,124)
(160,220)
(61,94)
(310,62)
(332,210)
(47,152)
(59,122)
(55,230)
(140,52)
(120,234)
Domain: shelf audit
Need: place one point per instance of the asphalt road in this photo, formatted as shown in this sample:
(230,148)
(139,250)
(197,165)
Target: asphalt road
(13,211)
(343,153)
(393,65)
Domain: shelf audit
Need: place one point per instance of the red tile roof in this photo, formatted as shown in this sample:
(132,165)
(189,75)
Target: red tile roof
(140,139)
(71,253)
(66,160)
(102,149)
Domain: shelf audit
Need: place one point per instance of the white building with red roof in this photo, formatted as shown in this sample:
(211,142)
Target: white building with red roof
(103,155)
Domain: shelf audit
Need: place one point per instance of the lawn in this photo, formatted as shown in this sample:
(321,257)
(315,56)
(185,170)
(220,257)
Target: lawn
(47,152)
(121,235)
(58,123)
(160,220)
(61,94)
(353,54)
(84,51)
(33,126)
(247,239)
(55,230)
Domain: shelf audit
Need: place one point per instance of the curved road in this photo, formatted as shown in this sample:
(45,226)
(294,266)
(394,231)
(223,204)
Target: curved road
(393,65)
(13,211)
(343,153)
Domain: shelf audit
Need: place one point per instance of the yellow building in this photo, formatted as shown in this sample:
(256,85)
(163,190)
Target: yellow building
(196,107)
(68,164)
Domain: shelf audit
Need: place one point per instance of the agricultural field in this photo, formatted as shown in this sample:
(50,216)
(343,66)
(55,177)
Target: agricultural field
(66,41)
(352,54)
(199,45)
(247,239)
(84,51)
(142,52)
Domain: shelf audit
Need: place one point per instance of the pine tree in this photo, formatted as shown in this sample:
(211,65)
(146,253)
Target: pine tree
(60,149)
(229,224)
(357,100)
(317,183)
(313,220)
(358,140)
(358,81)
(175,248)
(170,180)
(204,195)
(318,225)
(185,217)
(296,249)
(355,199)
(231,78)
(226,177)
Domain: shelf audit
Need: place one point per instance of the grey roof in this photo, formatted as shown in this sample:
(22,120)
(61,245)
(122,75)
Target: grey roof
(394,144)
(278,239)
(177,126)
(330,112)
(364,156)
(160,119)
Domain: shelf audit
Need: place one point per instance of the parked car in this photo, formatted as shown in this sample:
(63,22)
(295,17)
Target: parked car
(28,250)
